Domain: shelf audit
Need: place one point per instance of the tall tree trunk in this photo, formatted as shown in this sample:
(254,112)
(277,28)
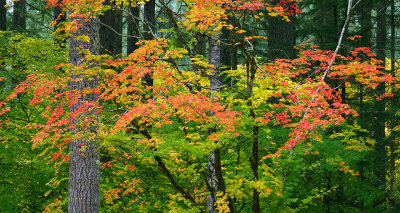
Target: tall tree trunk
(133,29)
(150,19)
(218,55)
(366,23)
(226,56)
(118,25)
(84,163)
(366,41)
(149,27)
(327,18)
(60,17)
(19,16)
(19,25)
(281,38)
(3,13)
(393,122)
(254,159)
(111,30)
(379,108)
(215,59)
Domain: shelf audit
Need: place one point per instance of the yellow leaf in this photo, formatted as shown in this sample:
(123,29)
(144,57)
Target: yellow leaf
(83,38)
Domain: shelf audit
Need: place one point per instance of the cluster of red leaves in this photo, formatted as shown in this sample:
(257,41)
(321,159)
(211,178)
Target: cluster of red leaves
(290,7)
(305,101)
(170,97)
(302,101)
(53,99)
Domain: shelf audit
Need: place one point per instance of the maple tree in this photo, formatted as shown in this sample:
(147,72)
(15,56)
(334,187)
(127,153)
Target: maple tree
(179,132)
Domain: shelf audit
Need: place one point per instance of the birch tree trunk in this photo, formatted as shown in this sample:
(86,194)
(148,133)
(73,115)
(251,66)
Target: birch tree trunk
(215,57)
(84,163)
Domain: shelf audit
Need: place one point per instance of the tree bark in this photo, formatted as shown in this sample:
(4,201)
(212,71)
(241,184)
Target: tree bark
(366,23)
(215,58)
(3,13)
(251,71)
(84,163)
(149,27)
(19,16)
(281,38)
(111,30)
(327,19)
(379,108)
(393,122)
(150,19)
(133,30)
(118,25)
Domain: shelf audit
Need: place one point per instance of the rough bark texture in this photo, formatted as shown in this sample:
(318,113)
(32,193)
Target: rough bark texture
(149,27)
(366,41)
(215,58)
(254,153)
(111,30)
(226,56)
(150,19)
(19,16)
(3,18)
(118,25)
(379,108)
(281,38)
(133,30)
(254,166)
(84,164)
(327,20)
(393,122)
(366,23)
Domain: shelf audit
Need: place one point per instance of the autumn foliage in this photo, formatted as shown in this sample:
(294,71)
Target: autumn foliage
(172,119)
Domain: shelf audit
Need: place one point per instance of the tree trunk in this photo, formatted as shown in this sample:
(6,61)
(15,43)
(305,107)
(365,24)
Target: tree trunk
(327,19)
(281,38)
(19,16)
(133,30)
(149,27)
(379,108)
(150,19)
(393,122)
(3,13)
(118,25)
(111,30)
(254,159)
(215,58)
(366,41)
(366,23)
(84,163)
(363,118)
(60,17)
